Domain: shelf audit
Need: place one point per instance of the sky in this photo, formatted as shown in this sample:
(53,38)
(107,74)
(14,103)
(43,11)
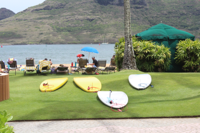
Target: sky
(19,5)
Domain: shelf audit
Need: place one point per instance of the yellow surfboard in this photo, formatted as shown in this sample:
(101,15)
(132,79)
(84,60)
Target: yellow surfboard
(52,84)
(89,84)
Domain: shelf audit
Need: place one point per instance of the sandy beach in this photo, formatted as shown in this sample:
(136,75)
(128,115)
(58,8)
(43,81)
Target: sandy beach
(51,65)
(68,65)
(55,65)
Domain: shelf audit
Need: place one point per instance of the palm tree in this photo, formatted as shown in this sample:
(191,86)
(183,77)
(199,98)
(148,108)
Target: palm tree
(129,61)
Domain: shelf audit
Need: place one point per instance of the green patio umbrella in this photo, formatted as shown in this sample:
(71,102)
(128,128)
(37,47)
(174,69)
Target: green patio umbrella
(169,36)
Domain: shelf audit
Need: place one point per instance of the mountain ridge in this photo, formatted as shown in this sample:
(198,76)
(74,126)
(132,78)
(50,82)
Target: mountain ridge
(5,13)
(89,21)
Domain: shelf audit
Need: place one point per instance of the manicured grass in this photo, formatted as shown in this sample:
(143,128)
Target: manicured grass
(173,94)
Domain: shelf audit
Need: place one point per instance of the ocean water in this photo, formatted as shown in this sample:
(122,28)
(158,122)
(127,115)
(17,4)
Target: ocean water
(59,54)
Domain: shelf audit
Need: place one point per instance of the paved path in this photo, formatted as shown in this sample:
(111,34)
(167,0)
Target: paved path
(168,125)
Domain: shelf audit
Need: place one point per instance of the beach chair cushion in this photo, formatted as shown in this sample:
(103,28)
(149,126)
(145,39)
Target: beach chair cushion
(30,62)
(110,68)
(43,65)
(2,65)
(101,68)
(90,70)
(32,68)
(82,63)
(62,70)
(106,69)
(13,65)
(101,63)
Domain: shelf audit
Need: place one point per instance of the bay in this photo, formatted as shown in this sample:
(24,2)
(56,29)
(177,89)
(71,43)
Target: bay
(59,54)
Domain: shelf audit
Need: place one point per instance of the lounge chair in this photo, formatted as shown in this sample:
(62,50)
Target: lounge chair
(110,68)
(44,66)
(90,70)
(101,63)
(81,65)
(3,67)
(112,62)
(12,65)
(62,70)
(112,65)
(102,66)
(30,65)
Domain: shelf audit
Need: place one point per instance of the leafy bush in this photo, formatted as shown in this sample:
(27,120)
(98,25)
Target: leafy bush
(149,57)
(188,54)
(119,53)
(5,117)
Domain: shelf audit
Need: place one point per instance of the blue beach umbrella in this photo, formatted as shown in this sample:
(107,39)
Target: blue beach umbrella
(89,49)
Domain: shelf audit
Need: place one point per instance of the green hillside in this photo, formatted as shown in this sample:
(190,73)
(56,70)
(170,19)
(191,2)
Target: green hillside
(89,21)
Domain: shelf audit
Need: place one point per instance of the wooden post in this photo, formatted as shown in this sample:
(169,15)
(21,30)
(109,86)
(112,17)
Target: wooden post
(4,87)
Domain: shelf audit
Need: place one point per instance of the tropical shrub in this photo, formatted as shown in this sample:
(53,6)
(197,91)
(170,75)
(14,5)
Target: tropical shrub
(188,54)
(5,117)
(149,56)
(119,53)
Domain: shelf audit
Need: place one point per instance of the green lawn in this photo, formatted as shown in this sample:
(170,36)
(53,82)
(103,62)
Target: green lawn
(174,94)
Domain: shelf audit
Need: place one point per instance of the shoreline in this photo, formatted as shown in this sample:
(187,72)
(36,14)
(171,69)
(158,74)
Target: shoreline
(57,44)
(55,65)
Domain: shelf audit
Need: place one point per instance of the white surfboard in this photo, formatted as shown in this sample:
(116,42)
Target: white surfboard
(114,99)
(140,81)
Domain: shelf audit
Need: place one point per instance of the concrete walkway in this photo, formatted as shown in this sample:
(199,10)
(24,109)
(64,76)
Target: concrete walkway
(165,125)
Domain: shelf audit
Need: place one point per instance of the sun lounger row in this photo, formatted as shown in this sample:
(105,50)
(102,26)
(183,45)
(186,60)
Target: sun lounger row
(11,65)
(45,66)
(89,69)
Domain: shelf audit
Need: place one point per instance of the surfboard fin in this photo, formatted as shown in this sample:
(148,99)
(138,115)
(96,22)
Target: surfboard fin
(110,93)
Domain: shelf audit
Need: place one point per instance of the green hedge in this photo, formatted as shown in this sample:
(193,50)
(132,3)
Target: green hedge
(149,57)
(188,54)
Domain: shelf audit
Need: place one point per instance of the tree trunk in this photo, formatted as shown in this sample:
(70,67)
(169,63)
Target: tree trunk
(129,61)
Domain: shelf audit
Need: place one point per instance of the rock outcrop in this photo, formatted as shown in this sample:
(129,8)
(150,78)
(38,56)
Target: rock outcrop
(5,13)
